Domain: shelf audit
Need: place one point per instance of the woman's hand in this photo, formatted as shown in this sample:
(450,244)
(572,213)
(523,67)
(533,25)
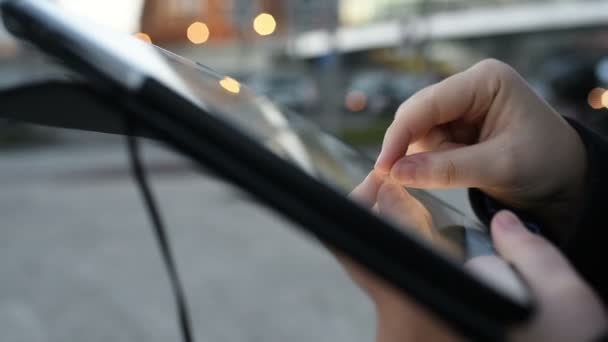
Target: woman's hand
(485,128)
(398,317)
(568,310)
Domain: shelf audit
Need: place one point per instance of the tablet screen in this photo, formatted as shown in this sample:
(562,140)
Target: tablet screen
(336,164)
(413,212)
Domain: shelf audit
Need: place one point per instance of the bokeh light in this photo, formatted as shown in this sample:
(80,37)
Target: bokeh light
(198,32)
(231,85)
(605,99)
(596,98)
(143,36)
(264,24)
(356,101)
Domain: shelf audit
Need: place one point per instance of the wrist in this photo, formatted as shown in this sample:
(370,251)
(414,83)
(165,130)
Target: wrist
(404,320)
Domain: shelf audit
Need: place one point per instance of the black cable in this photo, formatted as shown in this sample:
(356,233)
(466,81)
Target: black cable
(140,177)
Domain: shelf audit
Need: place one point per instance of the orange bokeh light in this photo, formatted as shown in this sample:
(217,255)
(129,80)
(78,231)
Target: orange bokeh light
(605,99)
(264,24)
(596,98)
(143,36)
(231,85)
(356,101)
(198,32)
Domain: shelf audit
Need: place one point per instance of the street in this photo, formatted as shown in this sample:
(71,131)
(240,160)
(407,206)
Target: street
(79,261)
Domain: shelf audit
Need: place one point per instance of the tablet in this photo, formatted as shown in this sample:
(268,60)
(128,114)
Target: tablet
(291,166)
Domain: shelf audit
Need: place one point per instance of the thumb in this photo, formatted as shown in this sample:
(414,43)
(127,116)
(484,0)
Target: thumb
(539,262)
(470,166)
(568,309)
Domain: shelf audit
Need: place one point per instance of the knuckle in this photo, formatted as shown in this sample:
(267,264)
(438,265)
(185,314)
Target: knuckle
(420,95)
(444,174)
(449,173)
(495,67)
(491,64)
(423,97)
(400,110)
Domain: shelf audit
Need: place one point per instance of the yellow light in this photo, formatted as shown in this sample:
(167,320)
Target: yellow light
(605,99)
(264,24)
(596,98)
(231,85)
(143,36)
(355,101)
(198,32)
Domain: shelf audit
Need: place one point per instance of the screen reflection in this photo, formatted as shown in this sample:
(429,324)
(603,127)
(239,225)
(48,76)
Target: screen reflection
(413,211)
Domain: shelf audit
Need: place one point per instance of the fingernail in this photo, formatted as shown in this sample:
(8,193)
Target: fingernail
(507,221)
(404,172)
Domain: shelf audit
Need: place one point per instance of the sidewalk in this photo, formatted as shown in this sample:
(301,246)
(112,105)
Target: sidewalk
(78,261)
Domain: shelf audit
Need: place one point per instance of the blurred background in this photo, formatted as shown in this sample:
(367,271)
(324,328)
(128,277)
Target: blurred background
(77,258)
(348,64)
(366,57)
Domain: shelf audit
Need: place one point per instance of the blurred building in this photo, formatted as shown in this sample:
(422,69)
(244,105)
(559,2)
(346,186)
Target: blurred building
(167,21)
(307,15)
(357,12)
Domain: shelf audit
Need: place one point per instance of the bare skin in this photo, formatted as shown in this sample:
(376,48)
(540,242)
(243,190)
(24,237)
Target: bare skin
(568,308)
(485,128)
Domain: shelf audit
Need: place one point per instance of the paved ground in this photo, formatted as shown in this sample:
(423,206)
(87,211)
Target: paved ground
(78,261)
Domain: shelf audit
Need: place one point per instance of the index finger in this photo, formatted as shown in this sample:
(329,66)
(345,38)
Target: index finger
(366,193)
(468,95)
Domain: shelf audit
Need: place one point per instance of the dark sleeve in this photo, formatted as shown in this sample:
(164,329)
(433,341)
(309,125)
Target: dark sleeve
(602,338)
(588,248)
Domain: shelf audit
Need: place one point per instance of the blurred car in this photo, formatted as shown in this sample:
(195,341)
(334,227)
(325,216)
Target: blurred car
(575,82)
(368,92)
(380,92)
(402,86)
(294,91)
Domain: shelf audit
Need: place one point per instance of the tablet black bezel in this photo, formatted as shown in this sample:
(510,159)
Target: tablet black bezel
(461,300)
